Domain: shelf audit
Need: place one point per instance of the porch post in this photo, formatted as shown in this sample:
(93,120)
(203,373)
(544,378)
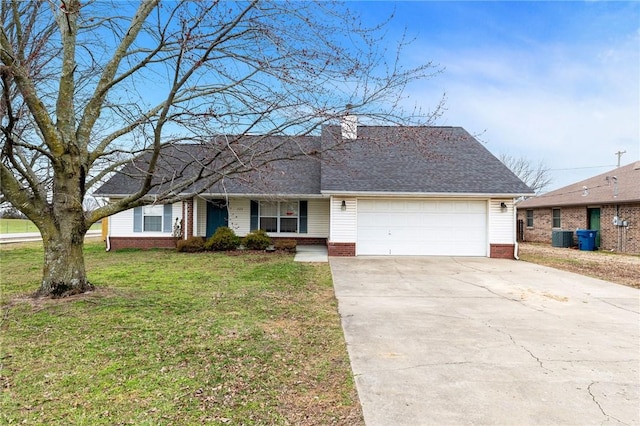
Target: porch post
(189,218)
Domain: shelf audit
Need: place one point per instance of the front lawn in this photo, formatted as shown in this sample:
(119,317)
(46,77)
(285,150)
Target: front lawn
(171,338)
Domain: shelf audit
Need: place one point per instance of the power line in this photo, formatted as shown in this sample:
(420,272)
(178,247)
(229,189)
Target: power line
(588,167)
(583,190)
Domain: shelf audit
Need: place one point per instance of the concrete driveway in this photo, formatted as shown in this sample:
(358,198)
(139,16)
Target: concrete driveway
(449,341)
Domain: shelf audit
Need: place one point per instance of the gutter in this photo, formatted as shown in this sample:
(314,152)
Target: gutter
(389,194)
(515,222)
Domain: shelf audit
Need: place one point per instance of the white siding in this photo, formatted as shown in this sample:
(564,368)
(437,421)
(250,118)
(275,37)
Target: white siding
(176,212)
(199,217)
(502,228)
(317,219)
(240,218)
(240,215)
(343,223)
(121,224)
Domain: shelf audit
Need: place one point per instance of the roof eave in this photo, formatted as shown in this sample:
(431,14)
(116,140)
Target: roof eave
(390,194)
(260,195)
(592,202)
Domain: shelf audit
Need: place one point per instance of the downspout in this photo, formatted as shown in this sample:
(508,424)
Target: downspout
(619,239)
(515,240)
(108,239)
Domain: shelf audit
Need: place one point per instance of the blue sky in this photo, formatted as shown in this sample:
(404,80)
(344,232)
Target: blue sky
(555,81)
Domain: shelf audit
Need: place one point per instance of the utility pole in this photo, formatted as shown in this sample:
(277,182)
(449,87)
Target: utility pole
(619,154)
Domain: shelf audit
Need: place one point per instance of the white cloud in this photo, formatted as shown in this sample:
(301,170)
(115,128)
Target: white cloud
(572,106)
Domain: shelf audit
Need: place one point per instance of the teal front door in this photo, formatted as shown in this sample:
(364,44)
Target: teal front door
(594,223)
(217,215)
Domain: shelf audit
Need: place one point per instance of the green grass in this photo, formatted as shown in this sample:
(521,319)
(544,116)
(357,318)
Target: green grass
(18,226)
(172,338)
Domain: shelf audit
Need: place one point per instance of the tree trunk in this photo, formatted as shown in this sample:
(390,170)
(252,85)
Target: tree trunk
(63,231)
(64,272)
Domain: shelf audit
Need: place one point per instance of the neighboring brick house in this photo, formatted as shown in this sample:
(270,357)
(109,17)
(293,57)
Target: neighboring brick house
(608,203)
(375,195)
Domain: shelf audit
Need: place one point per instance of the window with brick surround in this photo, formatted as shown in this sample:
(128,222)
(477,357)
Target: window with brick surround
(530,218)
(556,218)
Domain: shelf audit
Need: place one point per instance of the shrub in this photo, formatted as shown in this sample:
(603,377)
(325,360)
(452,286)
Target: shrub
(190,245)
(257,240)
(223,239)
(286,245)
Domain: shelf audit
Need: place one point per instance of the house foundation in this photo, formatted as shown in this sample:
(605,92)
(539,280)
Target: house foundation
(147,243)
(501,251)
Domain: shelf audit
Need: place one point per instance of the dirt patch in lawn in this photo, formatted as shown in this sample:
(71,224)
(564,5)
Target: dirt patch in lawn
(615,267)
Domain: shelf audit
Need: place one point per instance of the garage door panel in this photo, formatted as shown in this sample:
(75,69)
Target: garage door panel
(421,227)
(369,220)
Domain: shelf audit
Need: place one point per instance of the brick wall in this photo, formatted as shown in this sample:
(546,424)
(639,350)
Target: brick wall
(341,249)
(571,218)
(622,239)
(625,239)
(501,251)
(303,241)
(119,243)
(540,232)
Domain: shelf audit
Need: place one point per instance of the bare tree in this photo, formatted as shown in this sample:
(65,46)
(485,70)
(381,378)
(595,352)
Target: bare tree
(536,176)
(86,87)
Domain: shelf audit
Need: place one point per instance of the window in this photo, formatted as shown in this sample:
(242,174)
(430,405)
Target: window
(289,217)
(279,216)
(530,218)
(555,218)
(283,216)
(153,218)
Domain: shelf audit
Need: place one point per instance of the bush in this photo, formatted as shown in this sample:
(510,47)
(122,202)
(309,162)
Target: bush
(257,240)
(286,245)
(223,239)
(190,245)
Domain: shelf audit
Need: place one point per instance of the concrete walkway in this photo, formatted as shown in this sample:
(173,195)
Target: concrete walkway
(454,341)
(311,254)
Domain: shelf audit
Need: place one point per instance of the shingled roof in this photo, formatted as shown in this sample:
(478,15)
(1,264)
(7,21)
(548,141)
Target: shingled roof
(425,160)
(621,185)
(243,171)
(400,160)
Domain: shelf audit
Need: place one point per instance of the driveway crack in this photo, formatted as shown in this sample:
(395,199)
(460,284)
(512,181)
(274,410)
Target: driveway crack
(531,354)
(593,397)
(616,306)
(528,351)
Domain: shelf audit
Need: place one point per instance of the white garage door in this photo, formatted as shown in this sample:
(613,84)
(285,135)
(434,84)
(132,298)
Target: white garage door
(413,227)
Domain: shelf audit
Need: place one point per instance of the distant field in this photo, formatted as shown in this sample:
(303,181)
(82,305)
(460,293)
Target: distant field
(16,226)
